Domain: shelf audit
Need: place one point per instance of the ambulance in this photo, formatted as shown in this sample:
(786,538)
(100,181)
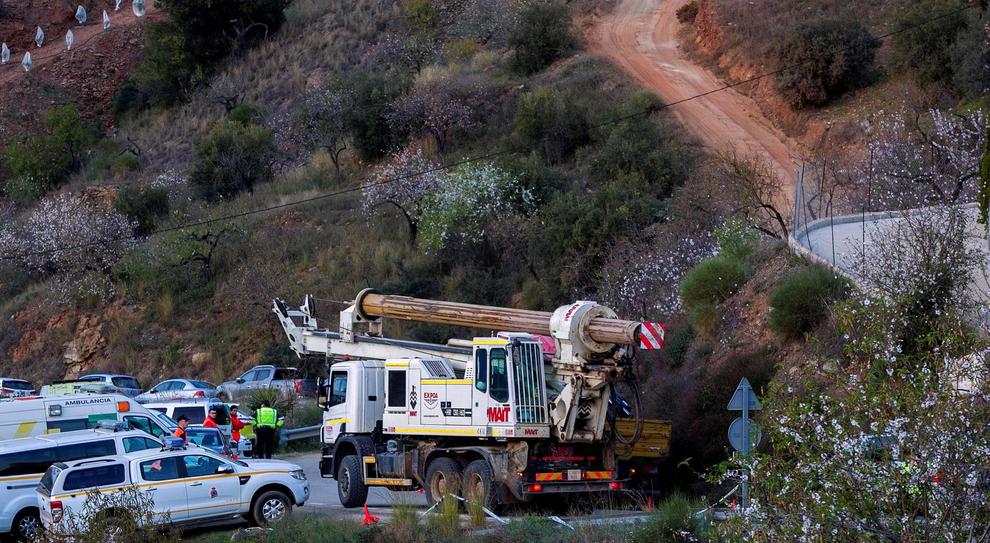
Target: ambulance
(32,416)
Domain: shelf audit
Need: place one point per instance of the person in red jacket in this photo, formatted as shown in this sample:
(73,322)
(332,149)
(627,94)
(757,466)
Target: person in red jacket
(211,419)
(235,427)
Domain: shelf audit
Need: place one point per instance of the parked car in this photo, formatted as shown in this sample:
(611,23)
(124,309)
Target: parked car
(15,388)
(122,384)
(23,462)
(178,389)
(76,386)
(287,380)
(191,486)
(211,439)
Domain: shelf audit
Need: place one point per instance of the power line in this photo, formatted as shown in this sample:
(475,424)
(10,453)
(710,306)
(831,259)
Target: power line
(478,158)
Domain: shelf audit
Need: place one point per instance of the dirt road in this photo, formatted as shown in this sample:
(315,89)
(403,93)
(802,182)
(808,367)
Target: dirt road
(640,36)
(87,39)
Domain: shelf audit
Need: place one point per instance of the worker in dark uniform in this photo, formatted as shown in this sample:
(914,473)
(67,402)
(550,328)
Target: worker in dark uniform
(266,423)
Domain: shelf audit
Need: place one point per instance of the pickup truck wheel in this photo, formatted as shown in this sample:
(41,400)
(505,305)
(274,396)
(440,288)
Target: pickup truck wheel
(479,484)
(350,483)
(26,525)
(272,506)
(443,476)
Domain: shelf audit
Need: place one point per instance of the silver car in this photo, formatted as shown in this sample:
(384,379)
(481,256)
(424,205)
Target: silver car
(121,384)
(15,388)
(178,389)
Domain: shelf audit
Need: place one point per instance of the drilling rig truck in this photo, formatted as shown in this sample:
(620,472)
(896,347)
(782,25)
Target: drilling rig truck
(548,405)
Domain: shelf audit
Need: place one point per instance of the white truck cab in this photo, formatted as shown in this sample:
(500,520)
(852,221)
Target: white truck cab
(24,461)
(188,486)
(26,417)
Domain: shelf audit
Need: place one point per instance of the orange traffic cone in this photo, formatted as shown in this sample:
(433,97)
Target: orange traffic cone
(369,519)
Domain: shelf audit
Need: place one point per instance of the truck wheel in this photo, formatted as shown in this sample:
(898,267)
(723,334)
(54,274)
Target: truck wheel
(479,484)
(272,506)
(350,483)
(443,476)
(26,525)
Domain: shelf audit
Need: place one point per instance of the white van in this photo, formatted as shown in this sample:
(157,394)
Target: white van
(34,416)
(24,461)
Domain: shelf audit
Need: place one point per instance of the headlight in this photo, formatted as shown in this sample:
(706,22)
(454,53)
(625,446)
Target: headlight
(298,474)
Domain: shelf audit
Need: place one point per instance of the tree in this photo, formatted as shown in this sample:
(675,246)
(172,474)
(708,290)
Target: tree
(551,122)
(440,107)
(403,181)
(368,124)
(142,205)
(827,57)
(43,162)
(925,160)
(924,48)
(233,158)
(457,211)
(888,447)
(752,190)
(323,121)
(542,36)
(65,237)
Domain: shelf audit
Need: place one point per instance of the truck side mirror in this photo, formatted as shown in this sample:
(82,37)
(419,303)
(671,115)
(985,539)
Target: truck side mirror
(322,399)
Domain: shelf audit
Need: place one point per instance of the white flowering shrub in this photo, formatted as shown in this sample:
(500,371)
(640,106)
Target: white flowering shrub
(72,241)
(458,211)
(883,448)
(402,181)
(925,160)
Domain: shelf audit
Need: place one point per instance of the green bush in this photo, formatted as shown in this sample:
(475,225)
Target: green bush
(637,147)
(673,516)
(736,238)
(368,122)
(925,50)
(971,62)
(678,344)
(801,301)
(124,164)
(542,36)
(245,114)
(551,122)
(142,205)
(829,57)
(233,158)
(45,161)
(713,280)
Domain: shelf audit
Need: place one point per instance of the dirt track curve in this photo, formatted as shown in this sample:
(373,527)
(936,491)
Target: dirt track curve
(640,36)
(86,38)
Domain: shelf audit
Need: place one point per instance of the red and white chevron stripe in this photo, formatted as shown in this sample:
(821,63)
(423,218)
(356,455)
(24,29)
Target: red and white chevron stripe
(651,335)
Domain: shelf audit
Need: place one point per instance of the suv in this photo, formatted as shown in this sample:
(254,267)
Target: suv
(191,486)
(15,388)
(121,384)
(23,462)
(285,380)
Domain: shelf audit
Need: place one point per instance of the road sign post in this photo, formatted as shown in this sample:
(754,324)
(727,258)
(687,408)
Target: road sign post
(742,433)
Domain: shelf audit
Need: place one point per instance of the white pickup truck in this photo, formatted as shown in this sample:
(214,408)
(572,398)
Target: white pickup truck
(189,486)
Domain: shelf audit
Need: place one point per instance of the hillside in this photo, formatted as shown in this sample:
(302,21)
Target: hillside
(182,171)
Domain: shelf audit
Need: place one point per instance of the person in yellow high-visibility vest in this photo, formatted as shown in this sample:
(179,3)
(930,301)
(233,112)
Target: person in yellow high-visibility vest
(266,423)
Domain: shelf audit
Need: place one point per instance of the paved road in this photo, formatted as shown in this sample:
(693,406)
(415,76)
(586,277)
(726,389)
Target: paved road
(640,36)
(323,492)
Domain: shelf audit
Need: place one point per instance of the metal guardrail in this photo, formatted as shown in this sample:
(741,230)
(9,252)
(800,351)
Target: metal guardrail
(292,434)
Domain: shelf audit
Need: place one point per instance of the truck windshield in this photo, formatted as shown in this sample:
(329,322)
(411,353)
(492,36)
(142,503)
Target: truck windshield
(528,378)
